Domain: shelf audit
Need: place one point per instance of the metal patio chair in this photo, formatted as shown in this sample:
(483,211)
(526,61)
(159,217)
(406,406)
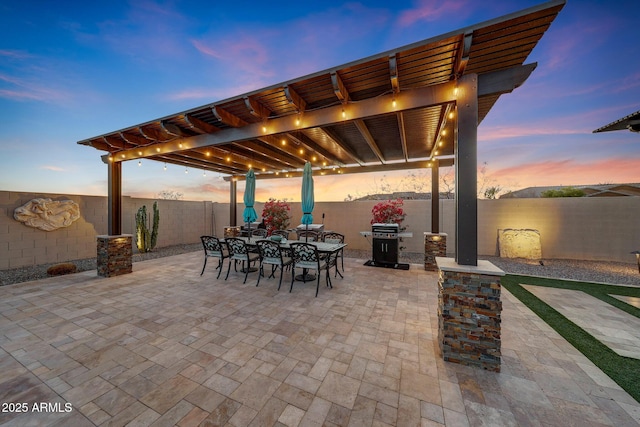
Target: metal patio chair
(214,248)
(306,256)
(239,251)
(271,254)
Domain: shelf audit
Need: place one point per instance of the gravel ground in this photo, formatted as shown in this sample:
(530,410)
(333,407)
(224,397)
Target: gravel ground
(591,271)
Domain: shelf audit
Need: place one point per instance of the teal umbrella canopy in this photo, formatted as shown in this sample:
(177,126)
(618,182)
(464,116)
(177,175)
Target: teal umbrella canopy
(307,194)
(249,213)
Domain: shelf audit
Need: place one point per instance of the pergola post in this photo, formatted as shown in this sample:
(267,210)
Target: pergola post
(114,198)
(115,250)
(435,197)
(466,160)
(435,243)
(468,288)
(233,194)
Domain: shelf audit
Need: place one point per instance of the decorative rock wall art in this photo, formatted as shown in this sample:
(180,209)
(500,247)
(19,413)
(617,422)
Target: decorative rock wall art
(519,243)
(47,214)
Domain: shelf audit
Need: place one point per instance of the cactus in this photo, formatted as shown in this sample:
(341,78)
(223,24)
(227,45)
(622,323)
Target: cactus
(146,240)
(156,222)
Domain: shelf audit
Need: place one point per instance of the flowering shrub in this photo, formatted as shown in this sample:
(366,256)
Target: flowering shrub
(276,215)
(388,212)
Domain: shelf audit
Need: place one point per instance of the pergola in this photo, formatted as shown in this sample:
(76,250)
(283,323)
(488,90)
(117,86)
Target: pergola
(417,106)
(630,122)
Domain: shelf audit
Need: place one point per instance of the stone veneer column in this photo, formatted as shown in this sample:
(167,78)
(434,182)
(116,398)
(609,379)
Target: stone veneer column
(114,255)
(469,310)
(435,245)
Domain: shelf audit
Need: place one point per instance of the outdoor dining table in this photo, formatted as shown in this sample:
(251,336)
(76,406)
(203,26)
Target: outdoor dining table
(323,248)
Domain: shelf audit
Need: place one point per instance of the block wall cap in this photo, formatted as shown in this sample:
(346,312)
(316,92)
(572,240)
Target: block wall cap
(483,267)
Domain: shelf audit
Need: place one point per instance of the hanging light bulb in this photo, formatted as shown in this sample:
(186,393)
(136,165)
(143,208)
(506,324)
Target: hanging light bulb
(139,163)
(204,172)
(165,166)
(344,114)
(186,170)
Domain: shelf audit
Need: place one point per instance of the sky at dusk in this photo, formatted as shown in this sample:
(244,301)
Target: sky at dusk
(74,72)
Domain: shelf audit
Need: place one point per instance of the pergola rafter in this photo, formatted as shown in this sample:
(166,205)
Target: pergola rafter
(404,108)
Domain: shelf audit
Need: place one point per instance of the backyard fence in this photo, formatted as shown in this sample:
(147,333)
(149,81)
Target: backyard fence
(571,228)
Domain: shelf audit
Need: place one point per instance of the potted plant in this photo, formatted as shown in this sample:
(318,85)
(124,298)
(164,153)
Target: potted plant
(275,215)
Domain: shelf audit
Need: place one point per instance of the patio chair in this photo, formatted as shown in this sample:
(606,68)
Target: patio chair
(306,256)
(259,232)
(308,235)
(271,254)
(214,248)
(239,251)
(333,237)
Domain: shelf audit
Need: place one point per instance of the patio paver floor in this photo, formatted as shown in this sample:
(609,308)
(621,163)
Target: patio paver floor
(166,346)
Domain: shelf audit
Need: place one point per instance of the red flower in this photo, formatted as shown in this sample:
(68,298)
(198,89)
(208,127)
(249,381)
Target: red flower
(388,212)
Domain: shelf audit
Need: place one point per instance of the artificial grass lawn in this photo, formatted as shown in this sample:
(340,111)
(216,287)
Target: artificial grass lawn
(625,371)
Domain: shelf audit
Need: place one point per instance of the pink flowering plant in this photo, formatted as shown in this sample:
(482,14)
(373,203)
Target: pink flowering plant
(276,215)
(388,212)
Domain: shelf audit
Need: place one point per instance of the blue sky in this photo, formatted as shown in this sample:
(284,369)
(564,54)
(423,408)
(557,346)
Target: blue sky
(74,72)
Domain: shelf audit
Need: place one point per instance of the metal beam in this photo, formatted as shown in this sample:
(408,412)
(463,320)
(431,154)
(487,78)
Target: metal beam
(435,197)
(466,158)
(318,171)
(233,197)
(504,81)
(114,198)
(403,135)
(295,99)
(256,108)
(405,100)
(393,73)
(369,139)
(339,88)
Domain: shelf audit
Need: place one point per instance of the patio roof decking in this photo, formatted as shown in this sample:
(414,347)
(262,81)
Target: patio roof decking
(393,110)
(412,107)
(166,346)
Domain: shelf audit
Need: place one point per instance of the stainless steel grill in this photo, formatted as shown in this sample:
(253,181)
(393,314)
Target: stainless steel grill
(384,231)
(385,243)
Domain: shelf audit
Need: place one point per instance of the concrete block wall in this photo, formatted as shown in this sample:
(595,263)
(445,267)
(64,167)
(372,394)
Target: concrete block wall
(590,228)
(21,245)
(571,228)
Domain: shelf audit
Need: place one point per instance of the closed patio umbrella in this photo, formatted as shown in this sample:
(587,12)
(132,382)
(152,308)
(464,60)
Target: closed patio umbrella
(307,195)
(249,215)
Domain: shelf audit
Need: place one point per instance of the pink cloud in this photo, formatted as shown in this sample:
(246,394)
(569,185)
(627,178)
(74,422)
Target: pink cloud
(14,54)
(429,11)
(570,172)
(23,89)
(52,168)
